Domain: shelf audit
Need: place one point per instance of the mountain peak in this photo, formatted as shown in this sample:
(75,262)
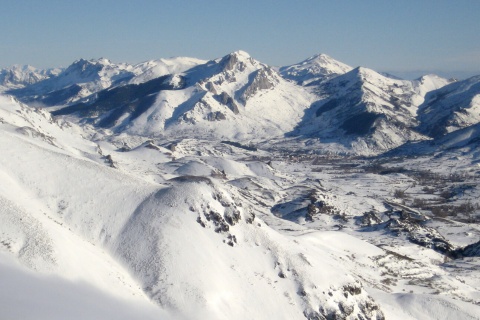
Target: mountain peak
(241,53)
(319,58)
(237,57)
(319,67)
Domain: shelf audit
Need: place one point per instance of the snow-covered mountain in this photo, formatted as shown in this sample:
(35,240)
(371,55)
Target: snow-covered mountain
(320,101)
(451,107)
(192,244)
(84,78)
(20,76)
(317,68)
(79,80)
(233,97)
(365,111)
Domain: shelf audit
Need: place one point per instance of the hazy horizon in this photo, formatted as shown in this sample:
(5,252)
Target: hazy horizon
(407,38)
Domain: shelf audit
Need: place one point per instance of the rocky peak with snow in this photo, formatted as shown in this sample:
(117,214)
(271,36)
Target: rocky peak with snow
(237,60)
(263,79)
(364,109)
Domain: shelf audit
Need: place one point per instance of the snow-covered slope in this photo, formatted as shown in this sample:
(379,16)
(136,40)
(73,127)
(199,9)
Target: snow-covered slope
(363,111)
(192,244)
(189,229)
(314,70)
(452,107)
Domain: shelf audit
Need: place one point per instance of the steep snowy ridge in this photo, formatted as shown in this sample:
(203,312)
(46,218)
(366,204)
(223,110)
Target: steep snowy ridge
(41,127)
(426,84)
(34,197)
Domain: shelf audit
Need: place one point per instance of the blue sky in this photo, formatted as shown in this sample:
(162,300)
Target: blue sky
(403,37)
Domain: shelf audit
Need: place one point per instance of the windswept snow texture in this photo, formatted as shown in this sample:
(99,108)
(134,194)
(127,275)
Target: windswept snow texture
(228,189)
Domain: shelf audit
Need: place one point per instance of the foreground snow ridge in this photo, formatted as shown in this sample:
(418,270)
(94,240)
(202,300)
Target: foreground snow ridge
(229,189)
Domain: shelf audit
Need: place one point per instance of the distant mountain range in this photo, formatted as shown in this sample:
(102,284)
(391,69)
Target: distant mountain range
(323,102)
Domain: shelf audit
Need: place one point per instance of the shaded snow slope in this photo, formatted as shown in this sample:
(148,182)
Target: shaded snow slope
(28,295)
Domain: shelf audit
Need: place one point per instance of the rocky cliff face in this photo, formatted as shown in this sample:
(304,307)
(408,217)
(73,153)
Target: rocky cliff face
(263,79)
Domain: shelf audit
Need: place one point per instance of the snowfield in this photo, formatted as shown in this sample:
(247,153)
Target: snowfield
(225,189)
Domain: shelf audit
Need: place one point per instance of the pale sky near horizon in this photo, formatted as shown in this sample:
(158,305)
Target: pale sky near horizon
(405,37)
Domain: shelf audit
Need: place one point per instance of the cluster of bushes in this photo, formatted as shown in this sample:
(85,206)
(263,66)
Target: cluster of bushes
(241,146)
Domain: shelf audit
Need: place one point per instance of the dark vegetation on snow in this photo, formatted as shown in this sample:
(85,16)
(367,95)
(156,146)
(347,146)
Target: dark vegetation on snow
(239,145)
(360,124)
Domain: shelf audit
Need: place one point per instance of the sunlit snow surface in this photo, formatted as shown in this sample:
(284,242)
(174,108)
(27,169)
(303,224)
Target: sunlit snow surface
(160,219)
